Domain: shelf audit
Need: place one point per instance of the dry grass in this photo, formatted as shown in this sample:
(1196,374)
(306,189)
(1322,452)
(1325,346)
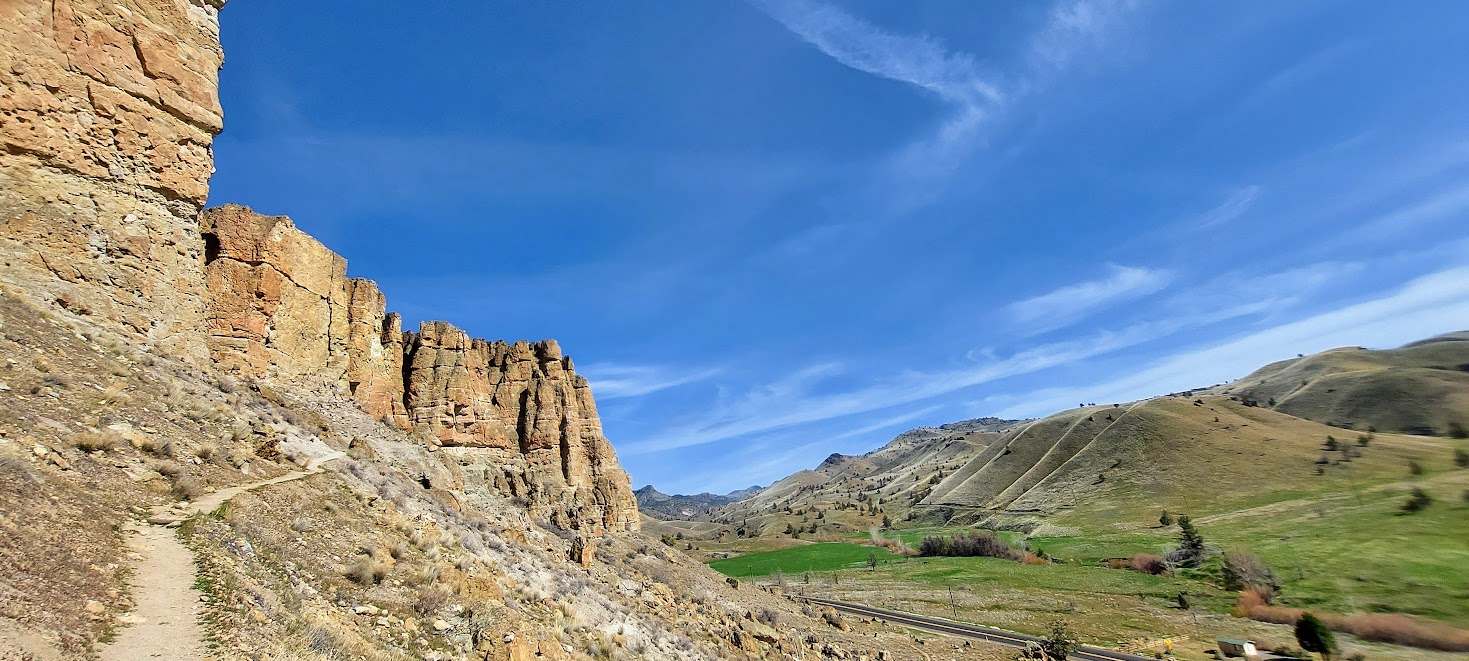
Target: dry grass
(95,441)
(186,487)
(430,600)
(115,395)
(157,447)
(367,571)
(1380,627)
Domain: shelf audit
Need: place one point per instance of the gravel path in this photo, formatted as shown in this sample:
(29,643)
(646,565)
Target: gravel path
(165,623)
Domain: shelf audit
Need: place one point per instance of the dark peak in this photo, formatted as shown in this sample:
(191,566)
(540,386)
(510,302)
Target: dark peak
(834,460)
(648,491)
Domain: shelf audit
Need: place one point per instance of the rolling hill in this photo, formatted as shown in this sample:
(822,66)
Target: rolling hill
(1421,388)
(1342,418)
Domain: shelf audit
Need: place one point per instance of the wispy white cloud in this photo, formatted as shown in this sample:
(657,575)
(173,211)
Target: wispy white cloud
(1067,304)
(918,60)
(1432,304)
(1075,26)
(974,92)
(804,397)
(1235,206)
(614,381)
(885,423)
(799,399)
(1451,201)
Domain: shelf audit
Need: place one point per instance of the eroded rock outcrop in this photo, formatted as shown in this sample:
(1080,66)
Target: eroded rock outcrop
(107,117)
(281,306)
(516,417)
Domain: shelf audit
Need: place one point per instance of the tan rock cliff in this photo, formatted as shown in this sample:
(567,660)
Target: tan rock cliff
(108,110)
(107,115)
(517,416)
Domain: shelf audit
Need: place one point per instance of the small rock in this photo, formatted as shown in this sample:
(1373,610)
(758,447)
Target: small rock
(40,450)
(4,387)
(95,607)
(60,461)
(441,626)
(509,637)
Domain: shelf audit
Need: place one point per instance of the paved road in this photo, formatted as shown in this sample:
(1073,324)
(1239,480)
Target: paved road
(967,630)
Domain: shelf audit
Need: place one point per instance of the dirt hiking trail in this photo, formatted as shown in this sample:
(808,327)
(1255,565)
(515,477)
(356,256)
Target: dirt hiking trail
(164,623)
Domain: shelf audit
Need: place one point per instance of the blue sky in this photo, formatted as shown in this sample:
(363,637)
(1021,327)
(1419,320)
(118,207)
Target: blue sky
(769,231)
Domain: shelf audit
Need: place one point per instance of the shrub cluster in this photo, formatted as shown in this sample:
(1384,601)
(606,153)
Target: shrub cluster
(1380,627)
(969,545)
(1148,564)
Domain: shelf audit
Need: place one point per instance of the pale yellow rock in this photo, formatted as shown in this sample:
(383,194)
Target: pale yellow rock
(106,121)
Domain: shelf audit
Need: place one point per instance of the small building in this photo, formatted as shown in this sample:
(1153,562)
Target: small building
(1235,647)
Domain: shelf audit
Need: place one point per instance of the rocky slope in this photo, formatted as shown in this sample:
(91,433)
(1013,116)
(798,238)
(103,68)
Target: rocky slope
(515,417)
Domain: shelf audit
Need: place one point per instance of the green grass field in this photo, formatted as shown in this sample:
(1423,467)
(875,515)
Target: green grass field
(811,558)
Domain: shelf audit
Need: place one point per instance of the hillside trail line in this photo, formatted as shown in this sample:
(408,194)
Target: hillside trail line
(164,623)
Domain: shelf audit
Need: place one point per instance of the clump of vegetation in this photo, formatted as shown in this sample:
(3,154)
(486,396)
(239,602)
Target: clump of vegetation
(969,545)
(1461,458)
(1313,636)
(1415,468)
(1385,628)
(431,600)
(186,487)
(1418,501)
(1244,570)
(1148,564)
(158,447)
(367,570)
(94,441)
(1191,550)
(1166,520)
(1457,430)
(1059,642)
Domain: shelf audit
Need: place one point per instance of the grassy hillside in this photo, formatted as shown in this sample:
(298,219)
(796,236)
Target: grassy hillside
(1304,463)
(1421,388)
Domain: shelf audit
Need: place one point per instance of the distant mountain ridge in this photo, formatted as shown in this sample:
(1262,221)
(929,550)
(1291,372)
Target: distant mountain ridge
(680,507)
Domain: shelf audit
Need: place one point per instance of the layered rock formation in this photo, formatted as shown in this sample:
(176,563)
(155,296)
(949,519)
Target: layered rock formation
(106,121)
(517,415)
(281,306)
(107,117)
